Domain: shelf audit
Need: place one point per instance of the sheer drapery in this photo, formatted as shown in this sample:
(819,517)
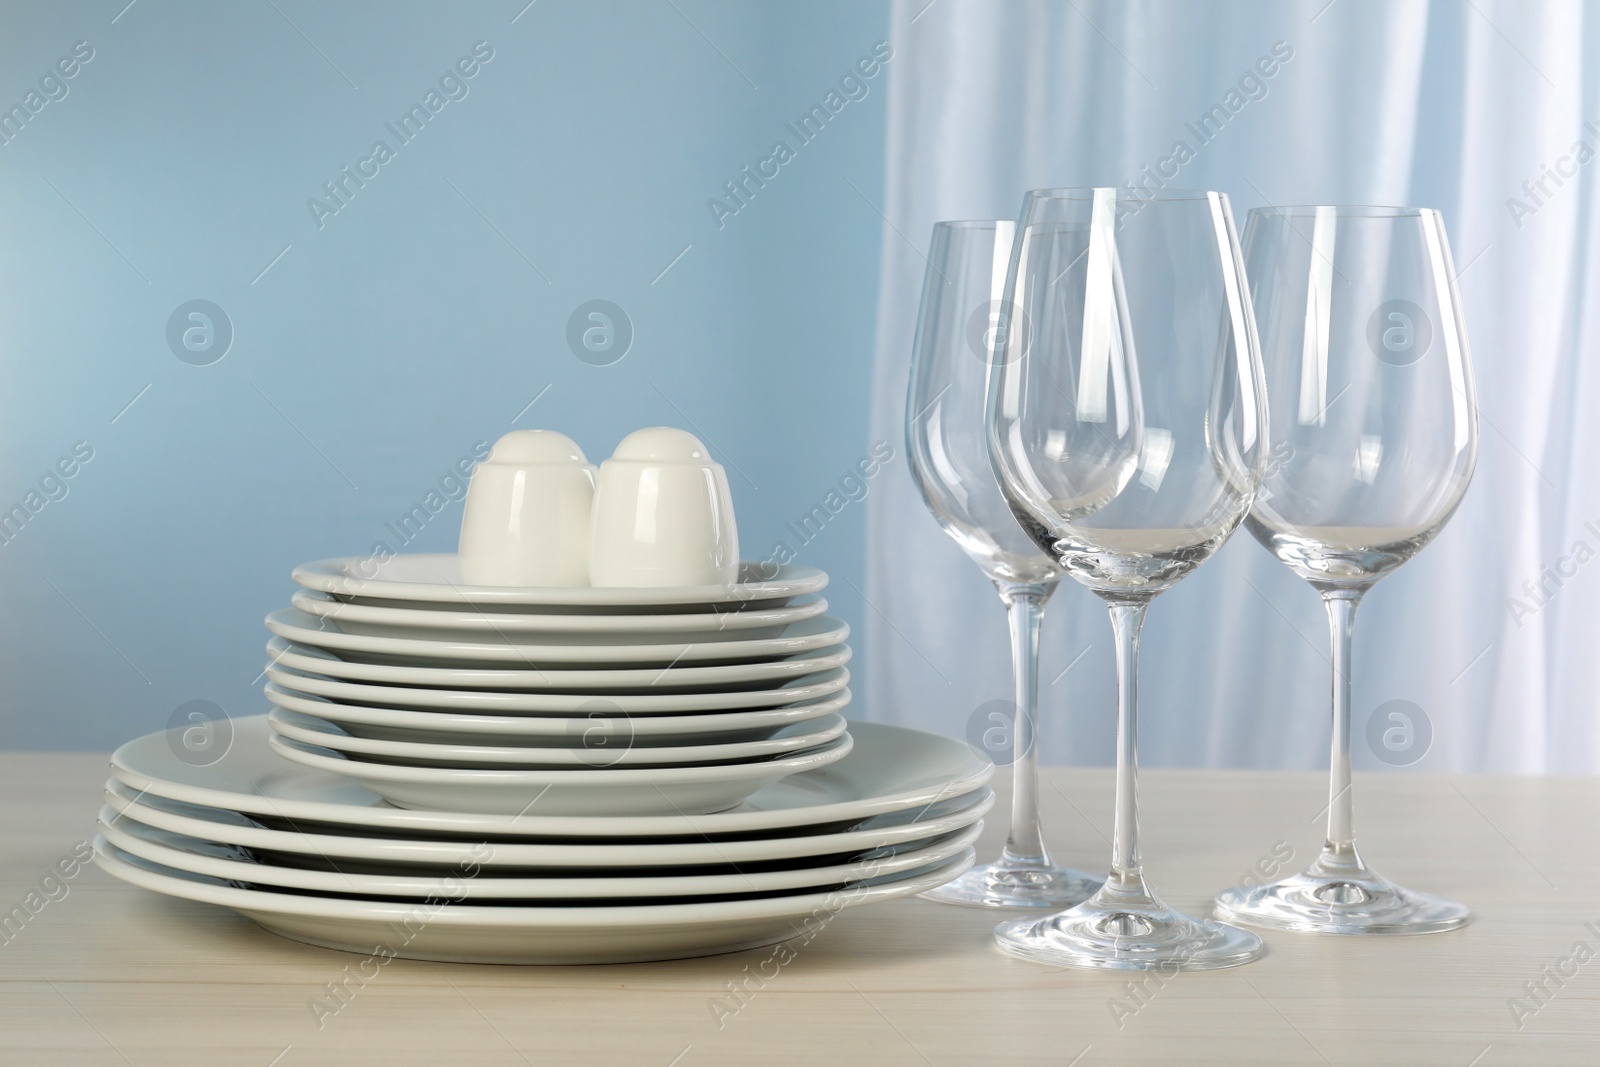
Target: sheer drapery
(1488,111)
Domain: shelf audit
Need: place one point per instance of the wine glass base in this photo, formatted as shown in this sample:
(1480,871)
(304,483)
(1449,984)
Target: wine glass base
(1340,903)
(1003,885)
(1116,936)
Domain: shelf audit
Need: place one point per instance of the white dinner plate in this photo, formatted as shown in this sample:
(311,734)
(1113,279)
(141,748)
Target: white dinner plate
(498,702)
(479,933)
(806,636)
(304,844)
(593,743)
(890,769)
(621,680)
(477,624)
(230,862)
(696,789)
(436,579)
(456,728)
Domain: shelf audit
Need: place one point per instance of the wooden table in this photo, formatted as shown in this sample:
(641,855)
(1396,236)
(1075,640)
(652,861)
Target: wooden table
(111,974)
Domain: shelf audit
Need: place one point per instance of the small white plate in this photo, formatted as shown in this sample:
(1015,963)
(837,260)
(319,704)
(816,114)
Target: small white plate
(478,933)
(295,625)
(304,844)
(455,728)
(890,769)
(546,680)
(693,790)
(496,702)
(442,624)
(599,742)
(230,862)
(436,579)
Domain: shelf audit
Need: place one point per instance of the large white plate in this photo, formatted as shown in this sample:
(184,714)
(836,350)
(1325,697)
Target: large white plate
(477,933)
(598,742)
(436,579)
(499,702)
(230,862)
(890,769)
(805,636)
(697,789)
(477,624)
(304,845)
(456,728)
(546,680)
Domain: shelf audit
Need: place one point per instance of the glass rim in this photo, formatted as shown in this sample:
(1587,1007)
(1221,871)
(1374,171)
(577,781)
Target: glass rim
(1124,194)
(973,224)
(1345,211)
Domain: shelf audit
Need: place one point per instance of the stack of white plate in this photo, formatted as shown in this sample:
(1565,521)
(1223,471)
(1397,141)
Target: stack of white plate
(579,775)
(319,858)
(571,701)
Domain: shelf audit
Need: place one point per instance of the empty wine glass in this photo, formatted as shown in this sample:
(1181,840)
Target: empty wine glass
(1373,441)
(1129,435)
(948,445)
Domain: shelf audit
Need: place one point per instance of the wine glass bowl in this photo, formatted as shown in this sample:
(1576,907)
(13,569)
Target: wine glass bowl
(1374,419)
(1068,434)
(1085,441)
(1373,443)
(961,318)
(1130,437)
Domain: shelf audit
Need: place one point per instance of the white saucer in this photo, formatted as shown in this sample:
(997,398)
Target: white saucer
(469,624)
(621,680)
(497,702)
(475,933)
(230,862)
(592,743)
(328,633)
(436,579)
(697,789)
(307,843)
(455,728)
(890,769)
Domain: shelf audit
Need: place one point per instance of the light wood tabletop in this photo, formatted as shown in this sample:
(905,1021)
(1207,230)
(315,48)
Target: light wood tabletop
(106,973)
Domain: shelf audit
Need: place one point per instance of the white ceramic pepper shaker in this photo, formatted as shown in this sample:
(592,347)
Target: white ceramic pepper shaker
(663,515)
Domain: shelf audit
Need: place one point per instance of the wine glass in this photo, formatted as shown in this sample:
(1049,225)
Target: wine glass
(946,440)
(1373,440)
(1129,433)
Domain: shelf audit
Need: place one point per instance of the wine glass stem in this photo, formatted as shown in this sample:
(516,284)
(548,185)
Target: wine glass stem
(1025,609)
(1127,873)
(1341,843)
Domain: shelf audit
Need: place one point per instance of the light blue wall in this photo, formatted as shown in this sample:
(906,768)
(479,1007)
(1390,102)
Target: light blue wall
(418,320)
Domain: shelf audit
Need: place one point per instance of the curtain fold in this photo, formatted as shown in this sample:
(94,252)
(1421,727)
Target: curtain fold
(1477,109)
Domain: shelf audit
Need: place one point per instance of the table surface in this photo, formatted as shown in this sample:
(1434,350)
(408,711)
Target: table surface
(113,974)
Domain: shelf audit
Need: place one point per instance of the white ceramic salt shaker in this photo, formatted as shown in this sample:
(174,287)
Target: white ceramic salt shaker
(526,518)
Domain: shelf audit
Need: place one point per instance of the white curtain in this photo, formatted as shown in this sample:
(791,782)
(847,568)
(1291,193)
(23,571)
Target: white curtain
(1452,105)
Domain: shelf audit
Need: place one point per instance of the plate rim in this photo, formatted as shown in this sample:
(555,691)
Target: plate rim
(558,657)
(575,777)
(597,852)
(468,915)
(468,621)
(330,576)
(946,844)
(515,702)
(967,774)
(277,718)
(710,722)
(797,664)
